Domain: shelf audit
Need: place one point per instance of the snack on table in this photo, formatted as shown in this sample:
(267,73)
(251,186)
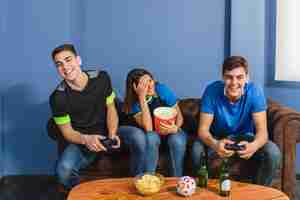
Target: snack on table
(148,184)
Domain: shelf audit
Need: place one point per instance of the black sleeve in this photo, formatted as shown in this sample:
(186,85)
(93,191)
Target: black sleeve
(106,82)
(58,104)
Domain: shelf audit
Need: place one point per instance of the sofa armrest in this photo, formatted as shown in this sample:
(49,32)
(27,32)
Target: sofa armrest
(278,113)
(279,119)
(284,124)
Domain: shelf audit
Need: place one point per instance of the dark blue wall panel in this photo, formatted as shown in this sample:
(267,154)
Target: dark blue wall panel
(1,137)
(248,35)
(3,14)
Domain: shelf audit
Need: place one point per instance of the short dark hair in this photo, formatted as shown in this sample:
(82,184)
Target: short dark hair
(233,62)
(64,47)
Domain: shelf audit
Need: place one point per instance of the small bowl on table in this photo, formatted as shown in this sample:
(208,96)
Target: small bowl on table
(148,183)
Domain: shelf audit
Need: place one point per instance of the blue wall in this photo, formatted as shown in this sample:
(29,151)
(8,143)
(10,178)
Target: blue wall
(248,35)
(251,38)
(167,36)
(28,33)
(181,42)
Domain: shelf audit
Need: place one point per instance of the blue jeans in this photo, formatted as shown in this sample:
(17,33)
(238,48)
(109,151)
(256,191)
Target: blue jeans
(76,157)
(176,144)
(268,157)
(135,139)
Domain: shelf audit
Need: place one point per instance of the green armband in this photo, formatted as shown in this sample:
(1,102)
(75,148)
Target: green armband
(62,120)
(110,99)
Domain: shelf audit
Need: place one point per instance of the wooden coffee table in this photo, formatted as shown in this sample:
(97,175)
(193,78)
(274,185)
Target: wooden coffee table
(123,189)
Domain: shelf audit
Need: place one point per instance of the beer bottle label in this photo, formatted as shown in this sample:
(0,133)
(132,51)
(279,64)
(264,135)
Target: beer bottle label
(225,186)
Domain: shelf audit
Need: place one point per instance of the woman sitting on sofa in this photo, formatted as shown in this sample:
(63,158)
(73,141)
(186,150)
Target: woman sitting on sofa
(143,95)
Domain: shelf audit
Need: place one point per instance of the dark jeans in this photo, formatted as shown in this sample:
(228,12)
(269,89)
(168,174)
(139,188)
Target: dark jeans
(75,157)
(268,156)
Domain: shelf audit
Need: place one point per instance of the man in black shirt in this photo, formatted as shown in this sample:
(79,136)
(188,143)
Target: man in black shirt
(83,109)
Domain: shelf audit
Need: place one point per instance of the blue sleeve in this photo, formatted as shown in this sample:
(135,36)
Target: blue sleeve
(135,109)
(207,103)
(259,103)
(166,94)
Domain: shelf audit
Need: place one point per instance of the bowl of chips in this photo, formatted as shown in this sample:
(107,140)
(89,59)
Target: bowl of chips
(148,183)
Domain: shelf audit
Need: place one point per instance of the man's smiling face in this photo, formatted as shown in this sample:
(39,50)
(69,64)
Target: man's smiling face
(235,81)
(68,65)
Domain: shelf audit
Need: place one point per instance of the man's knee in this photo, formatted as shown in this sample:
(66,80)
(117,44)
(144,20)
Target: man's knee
(63,171)
(197,152)
(198,147)
(272,152)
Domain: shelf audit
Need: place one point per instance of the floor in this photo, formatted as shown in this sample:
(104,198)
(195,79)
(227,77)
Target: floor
(30,188)
(38,188)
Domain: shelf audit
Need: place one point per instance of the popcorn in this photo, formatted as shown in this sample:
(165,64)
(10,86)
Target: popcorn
(186,186)
(148,184)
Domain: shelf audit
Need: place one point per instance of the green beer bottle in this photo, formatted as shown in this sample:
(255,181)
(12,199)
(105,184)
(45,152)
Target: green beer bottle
(224,180)
(202,173)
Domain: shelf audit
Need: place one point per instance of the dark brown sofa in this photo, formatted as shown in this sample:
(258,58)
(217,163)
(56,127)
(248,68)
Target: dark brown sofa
(284,130)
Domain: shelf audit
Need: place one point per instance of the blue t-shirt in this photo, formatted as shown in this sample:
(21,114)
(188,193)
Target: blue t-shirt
(232,118)
(165,97)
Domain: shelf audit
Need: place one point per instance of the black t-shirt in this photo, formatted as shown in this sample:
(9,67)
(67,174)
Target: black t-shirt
(86,109)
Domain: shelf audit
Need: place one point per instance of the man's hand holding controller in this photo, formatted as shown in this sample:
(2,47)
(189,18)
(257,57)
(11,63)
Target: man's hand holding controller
(98,143)
(110,143)
(235,147)
(219,147)
(92,142)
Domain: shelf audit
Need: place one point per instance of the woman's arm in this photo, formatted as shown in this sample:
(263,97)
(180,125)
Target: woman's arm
(179,117)
(144,118)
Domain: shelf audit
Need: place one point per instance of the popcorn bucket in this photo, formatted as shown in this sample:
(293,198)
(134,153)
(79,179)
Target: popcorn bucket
(166,115)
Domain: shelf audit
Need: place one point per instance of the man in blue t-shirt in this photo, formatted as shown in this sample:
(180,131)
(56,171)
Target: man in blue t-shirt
(233,111)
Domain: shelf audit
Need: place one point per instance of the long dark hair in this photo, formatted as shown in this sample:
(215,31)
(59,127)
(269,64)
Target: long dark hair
(133,77)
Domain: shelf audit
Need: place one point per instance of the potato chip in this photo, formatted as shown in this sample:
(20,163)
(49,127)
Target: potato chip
(148,184)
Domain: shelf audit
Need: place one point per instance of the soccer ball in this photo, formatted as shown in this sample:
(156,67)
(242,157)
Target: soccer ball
(186,186)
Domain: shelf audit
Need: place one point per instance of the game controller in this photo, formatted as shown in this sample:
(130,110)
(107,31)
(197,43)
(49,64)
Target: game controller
(235,147)
(108,143)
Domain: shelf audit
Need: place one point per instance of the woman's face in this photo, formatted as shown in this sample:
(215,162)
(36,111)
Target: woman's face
(150,84)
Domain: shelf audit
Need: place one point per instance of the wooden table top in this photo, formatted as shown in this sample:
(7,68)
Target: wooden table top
(123,189)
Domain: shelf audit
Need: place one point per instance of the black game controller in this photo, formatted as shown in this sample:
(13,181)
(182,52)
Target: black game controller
(235,147)
(108,143)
